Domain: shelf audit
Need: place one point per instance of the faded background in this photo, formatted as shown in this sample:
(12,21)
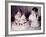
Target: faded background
(23,8)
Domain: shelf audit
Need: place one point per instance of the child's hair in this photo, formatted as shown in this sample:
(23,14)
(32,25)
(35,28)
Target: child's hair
(19,11)
(35,9)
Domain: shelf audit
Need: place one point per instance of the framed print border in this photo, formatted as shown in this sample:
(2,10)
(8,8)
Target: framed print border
(6,17)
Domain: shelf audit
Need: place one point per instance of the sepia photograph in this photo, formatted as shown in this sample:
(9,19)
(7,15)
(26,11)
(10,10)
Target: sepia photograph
(25,18)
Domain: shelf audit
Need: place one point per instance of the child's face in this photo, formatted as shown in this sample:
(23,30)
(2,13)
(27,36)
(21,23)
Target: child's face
(18,14)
